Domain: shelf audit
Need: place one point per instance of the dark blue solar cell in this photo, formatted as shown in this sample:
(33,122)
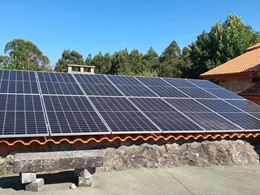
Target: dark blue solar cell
(187,105)
(4,86)
(218,105)
(112,104)
(12,75)
(167,91)
(6,74)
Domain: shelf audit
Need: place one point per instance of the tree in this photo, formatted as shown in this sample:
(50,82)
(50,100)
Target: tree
(68,57)
(120,63)
(88,60)
(135,60)
(225,41)
(151,63)
(102,63)
(24,55)
(170,61)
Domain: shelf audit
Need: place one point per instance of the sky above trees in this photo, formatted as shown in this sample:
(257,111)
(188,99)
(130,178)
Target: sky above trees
(110,26)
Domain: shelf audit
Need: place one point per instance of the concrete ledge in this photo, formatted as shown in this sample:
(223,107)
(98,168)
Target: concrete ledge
(52,161)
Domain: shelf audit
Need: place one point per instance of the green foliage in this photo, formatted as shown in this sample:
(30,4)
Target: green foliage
(170,61)
(68,57)
(225,41)
(23,55)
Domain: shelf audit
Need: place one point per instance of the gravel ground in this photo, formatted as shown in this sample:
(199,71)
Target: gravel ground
(180,180)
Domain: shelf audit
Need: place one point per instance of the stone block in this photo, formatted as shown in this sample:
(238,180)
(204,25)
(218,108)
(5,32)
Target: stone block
(53,161)
(35,186)
(85,182)
(27,177)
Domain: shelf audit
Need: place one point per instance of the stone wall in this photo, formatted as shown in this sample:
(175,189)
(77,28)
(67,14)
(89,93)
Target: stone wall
(236,85)
(170,155)
(206,153)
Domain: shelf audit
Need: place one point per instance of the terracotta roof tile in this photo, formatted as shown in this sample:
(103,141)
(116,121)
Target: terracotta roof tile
(247,62)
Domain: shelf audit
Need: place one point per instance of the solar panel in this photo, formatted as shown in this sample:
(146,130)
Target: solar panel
(218,105)
(245,105)
(121,116)
(187,105)
(139,90)
(172,122)
(163,91)
(152,104)
(59,104)
(58,83)
(18,82)
(97,85)
(179,83)
(204,84)
(197,93)
(128,122)
(124,80)
(110,104)
(244,120)
(73,115)
(152,81)
(130,86)
(21,116)
(224,94)
(213,122)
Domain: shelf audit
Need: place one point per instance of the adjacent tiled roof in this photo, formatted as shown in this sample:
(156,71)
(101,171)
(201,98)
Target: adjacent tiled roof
(247,62)
(252,91)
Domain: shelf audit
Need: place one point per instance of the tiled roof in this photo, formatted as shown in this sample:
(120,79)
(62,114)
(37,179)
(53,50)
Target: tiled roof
(247,62)
(252,91)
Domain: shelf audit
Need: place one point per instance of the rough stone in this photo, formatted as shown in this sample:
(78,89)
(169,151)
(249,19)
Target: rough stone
(73,186)
(35,186)
(27,177)
(206,153)
(85,182)
(50,161)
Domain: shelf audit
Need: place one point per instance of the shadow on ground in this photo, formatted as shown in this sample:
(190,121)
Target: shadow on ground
(13,182)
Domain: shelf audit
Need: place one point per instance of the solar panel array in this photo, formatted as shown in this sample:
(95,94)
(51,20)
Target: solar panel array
(60,104)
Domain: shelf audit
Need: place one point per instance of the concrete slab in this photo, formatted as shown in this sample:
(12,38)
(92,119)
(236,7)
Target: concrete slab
(180,180)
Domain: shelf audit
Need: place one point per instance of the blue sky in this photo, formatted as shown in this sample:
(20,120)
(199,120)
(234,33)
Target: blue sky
(90,26)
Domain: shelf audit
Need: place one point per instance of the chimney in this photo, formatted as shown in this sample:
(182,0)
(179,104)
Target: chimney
(84,69)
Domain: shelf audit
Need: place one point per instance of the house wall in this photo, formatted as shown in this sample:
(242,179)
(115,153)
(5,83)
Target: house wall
(236,85)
